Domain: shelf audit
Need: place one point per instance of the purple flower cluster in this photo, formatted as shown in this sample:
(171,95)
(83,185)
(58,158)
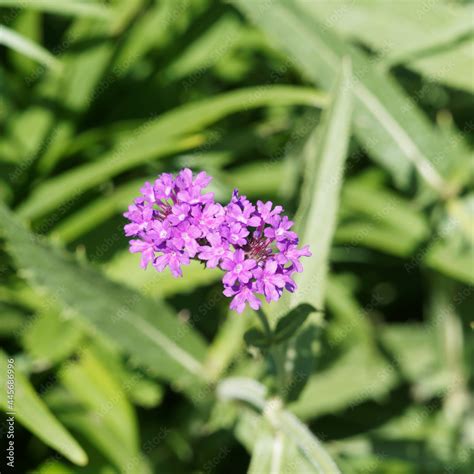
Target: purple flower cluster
(175,221)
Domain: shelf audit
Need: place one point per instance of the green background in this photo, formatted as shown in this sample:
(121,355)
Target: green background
(354,115)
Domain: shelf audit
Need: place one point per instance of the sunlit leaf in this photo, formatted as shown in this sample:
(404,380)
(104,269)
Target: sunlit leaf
(65,7)
(23,45)
(382,111)
(141,327)
(32,413)
(316,217)
(158,138)
(250,391)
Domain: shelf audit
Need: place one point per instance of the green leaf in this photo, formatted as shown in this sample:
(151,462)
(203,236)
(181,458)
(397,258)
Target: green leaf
(451,260)
(50,337)
(65,189)
(65,7)
(210,47)
(254,337)
(350,323)
(124,268)
(138,384)
(12,320)
(306,441)
(101,395)
(424,38)
(460,57)
(143,328)
(34,415)
(227,344)
(452,250)
(93,428)
(325,152)
(386,122)
(158,138)
(267,453)
(376,235)
(55,467)
(273,452)
(243,389)
(75,89)
(252,392)
(248,180)
(23,45)
(155,29)
(275,449)
(196,116)
(384,206)
(290,323)
(412,346)
(28,24)
(358,375)
(317,213)
(92,215)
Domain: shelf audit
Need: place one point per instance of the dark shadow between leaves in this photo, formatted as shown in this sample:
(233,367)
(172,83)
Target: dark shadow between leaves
(304,361)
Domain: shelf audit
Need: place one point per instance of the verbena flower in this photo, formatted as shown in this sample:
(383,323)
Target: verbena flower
(166,219)
(175,221)
(264,262)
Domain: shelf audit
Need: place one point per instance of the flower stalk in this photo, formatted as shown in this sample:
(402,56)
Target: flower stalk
(274,352)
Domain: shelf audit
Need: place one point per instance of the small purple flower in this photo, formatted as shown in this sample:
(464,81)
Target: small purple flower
(172,259)
(214,252)
(279,230)
(270,280)
(184,180)
(266,212)
(145,248)
(160,231)
(179,213)
(238,268)
(164,186)
(211,217)
(241,295)
(190,191)
(148,192)
(140,217)
(241,210)
(186,239)
(235,234)
(291,253)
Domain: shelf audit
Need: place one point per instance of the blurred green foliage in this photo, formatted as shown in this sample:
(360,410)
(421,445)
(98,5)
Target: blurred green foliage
(357,117)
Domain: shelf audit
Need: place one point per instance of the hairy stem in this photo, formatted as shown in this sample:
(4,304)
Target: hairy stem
(274,353)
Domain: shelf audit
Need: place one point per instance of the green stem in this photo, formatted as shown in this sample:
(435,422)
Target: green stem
(266,325)
(274,352)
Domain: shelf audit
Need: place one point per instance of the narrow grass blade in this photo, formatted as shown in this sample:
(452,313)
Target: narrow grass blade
(210,48)
(267,455)
(425,38)
(101,396)
(386,122)
(144,328)
(306,441)
(34,415)
(284,422)
(23,45)
(243,389)
(65,189)
(64,7)
(160,137)
(316,215)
